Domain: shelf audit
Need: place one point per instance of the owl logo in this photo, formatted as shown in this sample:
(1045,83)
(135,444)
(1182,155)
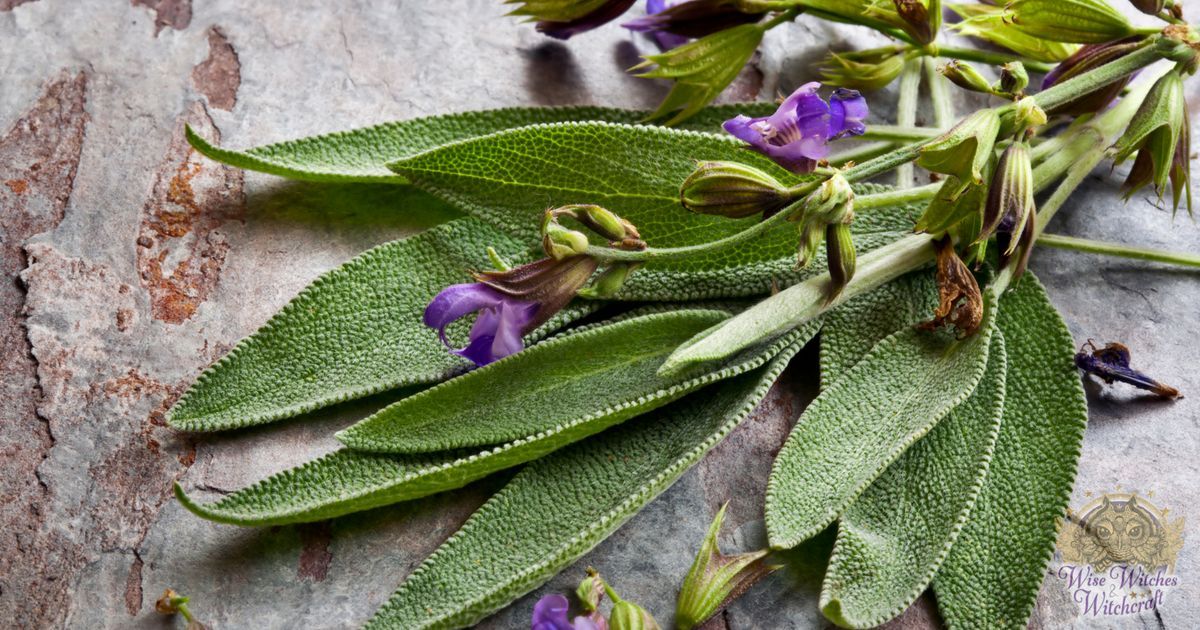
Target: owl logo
(1120,529)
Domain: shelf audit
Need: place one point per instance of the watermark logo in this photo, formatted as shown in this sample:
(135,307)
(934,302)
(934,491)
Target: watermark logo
(1118,555)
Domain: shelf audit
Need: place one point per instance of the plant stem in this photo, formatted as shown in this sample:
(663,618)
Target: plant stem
(896,197)
(1116,249)
(862,153)
(906,112)
(943,106)
(1113,71)
(992,58)
(899,133)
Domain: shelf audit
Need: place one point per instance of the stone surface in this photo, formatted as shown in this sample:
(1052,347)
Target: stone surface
(131,264)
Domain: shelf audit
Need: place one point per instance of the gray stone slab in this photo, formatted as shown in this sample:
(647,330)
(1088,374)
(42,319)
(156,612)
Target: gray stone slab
(131,264)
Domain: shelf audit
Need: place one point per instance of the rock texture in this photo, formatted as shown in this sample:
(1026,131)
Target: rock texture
(130,263)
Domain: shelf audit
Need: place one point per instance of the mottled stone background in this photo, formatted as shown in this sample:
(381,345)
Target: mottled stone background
(130,263)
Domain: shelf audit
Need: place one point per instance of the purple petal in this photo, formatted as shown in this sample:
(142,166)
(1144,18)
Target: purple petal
(550,613)
(667,41)
(742,127)
(585,623)
(457,300)
(514,317)
(847,110)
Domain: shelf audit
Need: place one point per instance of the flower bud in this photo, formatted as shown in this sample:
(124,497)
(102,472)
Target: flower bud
(590,591)
(1077,21)
(627,615)
(1013,78)
(965,149)
(919,22)
(1010,196)
(1028,114)
(560,243)
(609,281)
(1088,58)
(715,579)
(960,301)
(1149,7)
(732,190)
(861,71)
(839,252)
(1155,133)
(832,203)
(605,223)
(965,76)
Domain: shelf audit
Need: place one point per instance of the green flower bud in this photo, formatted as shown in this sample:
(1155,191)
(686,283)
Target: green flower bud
(733,190)
(839,252)
(965,76)
(832,203)
(629,616)
(609,281)
(1013,78)
(560,243)
(992,23)
(1155,134)
(1029,114)
(1010,197)
(604,222)
(1077,21)
(965,149)
(715,579)
(859,71)
(920,21)
(701,69)
(590,591)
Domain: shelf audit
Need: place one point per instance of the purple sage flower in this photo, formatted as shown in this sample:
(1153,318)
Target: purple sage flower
(675,22)
(510,304)
(602,15)
(797,135)
(550,613)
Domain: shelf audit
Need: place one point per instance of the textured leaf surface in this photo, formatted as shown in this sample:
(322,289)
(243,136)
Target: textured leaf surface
(362,155)
(349,481)
(992,575)
(561,506)
(356,330)
(852,329)
(509,178)
(600,376)
(894,536)
(864,421)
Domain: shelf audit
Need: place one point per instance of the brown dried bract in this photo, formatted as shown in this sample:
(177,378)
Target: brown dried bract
(960,301)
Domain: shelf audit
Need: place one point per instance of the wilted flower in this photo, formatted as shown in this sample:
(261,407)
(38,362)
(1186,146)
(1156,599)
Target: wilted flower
(562,19)
(862,70)
(715,579)
(1087,58)
(550,613)
(798,133)
(1111,363)
(733,190)
(1075,21)
(960,302)
(1010,197)
(673,22)
(701,69)
(1156,133)
(510,304)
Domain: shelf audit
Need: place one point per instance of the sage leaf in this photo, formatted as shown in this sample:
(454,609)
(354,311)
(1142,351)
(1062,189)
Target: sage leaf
(347,481)
(362,155)
(856,428)
(509,178)
(559,507)
(895,535)
(992,575)
(596,378)
(354,331)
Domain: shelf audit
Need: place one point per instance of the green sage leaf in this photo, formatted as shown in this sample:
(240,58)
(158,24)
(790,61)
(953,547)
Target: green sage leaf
(355,331)
(348,481)
(509,178)
(992,575)
(895,535)
(362,155)
(561,506)
(861,424)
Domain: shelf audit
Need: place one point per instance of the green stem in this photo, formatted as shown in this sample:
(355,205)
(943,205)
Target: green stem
(899,133)
(896,197)
(1113,71)
(939,96)
(992,58)
(906,112)
(1116,249)
(861,153)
